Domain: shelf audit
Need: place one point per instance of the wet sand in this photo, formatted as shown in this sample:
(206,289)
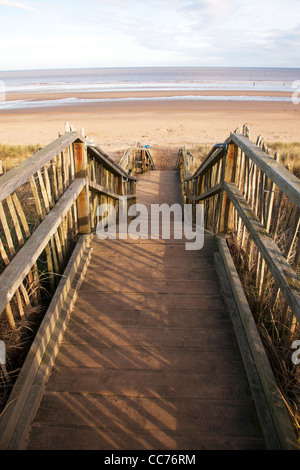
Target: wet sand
(119,124)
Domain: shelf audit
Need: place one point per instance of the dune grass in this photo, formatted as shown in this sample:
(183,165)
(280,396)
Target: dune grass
(12,155)
(289,154)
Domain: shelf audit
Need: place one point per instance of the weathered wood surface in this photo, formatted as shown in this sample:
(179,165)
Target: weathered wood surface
(149,359)
(284,274)
(17,270)
(284,179)
(26,392)
(21,173)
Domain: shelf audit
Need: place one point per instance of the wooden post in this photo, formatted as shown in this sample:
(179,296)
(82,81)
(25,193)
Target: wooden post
(81,171)
(228,175)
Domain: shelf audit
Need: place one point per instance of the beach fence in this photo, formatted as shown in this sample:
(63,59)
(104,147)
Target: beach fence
(48,208)
(252,203)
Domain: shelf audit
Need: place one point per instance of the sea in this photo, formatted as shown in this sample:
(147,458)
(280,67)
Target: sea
(154,79)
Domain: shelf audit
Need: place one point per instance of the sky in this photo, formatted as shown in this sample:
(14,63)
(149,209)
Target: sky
(41,34)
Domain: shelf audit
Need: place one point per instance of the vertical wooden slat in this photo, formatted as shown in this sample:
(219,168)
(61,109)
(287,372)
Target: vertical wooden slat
(36,283)
(59,174)
(19,303)
(48,186)
(43,191)
(36,198)
(15,220)
(4,254)
(83,206)
(10,317)
(6,230)
(66,159)
(59,250)
(225,224)
(21,214)
(292,234)
(276,216)
(54,255)
(24,294)
(72,163)
(50,267)
(53,178)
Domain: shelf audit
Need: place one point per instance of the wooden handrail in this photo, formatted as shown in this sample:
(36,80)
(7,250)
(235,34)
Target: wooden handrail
(114,166)
(211,159)
(288,183)
(67,179)
(137,158)
(18,175)
(21,264)
(244,190)
(283,273)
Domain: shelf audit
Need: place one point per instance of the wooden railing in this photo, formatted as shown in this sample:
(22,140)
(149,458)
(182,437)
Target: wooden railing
(254,202)
(138,160)
(46,203)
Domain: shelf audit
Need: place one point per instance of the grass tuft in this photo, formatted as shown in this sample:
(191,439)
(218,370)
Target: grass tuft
(289,155)
(12,155)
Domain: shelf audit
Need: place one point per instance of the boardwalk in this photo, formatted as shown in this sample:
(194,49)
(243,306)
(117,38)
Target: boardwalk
(149,359)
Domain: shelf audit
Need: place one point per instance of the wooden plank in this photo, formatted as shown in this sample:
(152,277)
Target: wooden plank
(19,267)
(259,398)
(207,194)
(3,254)
(228,174)
(43,191)
(35,286)
(103,190)
(284,275)
(66,167)
(50,267)
(59,173)
(26,169)
(54,255)
(15,220)
(19,303)
(48,185)
(281,419)
(38,205)
(62,238)
(53,177)
(108,162)
(6,230)
(26,391)
(10,317)
(57,241)
(284,179)
(81,171)
(72,163)
(21,214)
(25,294)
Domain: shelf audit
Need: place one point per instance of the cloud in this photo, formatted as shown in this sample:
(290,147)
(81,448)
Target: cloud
(195,32)
(22,6)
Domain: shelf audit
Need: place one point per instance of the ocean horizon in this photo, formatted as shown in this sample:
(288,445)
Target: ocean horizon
(130,80)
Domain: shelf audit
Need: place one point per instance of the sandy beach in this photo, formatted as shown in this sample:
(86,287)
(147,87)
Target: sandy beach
(115,125)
